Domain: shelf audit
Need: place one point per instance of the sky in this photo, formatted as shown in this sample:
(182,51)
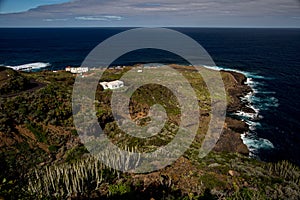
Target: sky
(150,13)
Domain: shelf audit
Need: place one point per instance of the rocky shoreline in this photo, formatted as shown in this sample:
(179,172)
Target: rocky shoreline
(230,140)
(37,135)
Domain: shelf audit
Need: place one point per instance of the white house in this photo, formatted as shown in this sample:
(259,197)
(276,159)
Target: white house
(77,70)
(112,85)
(68,69)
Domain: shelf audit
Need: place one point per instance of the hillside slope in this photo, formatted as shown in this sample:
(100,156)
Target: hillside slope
(38,139)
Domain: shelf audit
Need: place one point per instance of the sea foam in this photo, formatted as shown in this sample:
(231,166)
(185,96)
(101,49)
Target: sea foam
(256,102)
(30,66)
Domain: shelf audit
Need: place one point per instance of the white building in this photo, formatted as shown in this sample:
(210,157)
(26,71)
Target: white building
(112,85)
(77,70)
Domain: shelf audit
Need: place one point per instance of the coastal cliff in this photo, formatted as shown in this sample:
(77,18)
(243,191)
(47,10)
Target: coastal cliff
(230,140)
(38,139)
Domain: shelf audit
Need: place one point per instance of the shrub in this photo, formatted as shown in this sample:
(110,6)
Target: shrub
(118,189)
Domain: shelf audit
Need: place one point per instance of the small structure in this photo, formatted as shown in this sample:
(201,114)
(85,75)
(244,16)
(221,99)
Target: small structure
(68,69)
(77,70)
(112,85)
(139,70)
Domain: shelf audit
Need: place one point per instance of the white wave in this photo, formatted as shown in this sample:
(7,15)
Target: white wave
(265,103)
(251,75)
(30,66)
(250,139)
(256,110)
(248,97)
(252,83)
(245,114)
(213,67)
(247,74)
(255,143)
(249,81)
(252,124)
(267,92)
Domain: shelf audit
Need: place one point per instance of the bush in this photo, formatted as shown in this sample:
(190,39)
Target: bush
(118,189)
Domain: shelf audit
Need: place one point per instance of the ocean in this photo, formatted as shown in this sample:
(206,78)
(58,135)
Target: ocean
(270,58)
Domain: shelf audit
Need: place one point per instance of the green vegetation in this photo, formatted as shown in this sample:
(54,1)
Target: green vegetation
(42,156)
(118,189)
(12,82)
(37,131)
(60,181)
(286,171)
(75,153)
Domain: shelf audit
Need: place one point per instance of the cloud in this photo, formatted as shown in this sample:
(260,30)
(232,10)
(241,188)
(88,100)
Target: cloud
(101,18)
(54,20)
(113,17)
(158,13)
(85,18)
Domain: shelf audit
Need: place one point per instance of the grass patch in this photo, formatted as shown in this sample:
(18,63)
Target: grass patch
(75,153)
(211,181)
(37,131)
(119,189)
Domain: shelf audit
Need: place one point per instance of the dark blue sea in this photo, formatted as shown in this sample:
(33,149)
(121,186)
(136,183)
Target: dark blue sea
(270,58)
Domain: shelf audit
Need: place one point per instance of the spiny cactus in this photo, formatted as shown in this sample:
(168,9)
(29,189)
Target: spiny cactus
(80,177)
(64,180)
(285,170)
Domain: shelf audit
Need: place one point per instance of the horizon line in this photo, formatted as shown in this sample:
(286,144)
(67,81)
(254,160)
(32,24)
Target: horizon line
(233,27)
